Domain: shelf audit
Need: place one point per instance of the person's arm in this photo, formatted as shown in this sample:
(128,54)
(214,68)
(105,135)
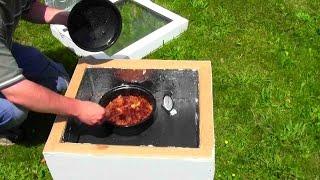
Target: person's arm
(40,99)
(42,14)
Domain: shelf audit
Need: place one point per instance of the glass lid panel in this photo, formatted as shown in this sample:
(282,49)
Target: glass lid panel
(137,22)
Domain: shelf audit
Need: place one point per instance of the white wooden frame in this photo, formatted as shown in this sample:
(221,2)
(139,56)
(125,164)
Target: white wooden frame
(138,49)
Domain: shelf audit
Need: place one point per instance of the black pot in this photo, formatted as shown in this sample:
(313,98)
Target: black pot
(129,90)
(94,25)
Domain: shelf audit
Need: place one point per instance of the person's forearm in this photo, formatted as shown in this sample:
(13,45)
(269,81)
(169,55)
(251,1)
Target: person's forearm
(40,99)
(42,14)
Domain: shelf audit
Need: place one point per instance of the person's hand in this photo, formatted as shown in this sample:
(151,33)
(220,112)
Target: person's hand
(90,113)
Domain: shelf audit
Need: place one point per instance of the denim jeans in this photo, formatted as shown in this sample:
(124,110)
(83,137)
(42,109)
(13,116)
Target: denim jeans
(39,69)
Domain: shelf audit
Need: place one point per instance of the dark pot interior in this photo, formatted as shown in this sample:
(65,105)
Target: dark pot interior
(130,90)
(94,25)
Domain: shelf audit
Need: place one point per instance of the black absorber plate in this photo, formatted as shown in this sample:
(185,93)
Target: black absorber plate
(178,127)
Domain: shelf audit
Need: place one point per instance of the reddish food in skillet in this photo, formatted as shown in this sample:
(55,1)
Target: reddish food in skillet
(128,110)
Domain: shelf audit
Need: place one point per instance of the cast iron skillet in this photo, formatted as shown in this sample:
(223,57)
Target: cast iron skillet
(130,90)
(94,25)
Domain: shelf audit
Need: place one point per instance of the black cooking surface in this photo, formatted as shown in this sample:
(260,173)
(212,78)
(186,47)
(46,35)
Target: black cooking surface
(178,129)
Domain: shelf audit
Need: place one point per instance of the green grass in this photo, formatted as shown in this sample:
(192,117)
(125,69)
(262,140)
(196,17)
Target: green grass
(265,58)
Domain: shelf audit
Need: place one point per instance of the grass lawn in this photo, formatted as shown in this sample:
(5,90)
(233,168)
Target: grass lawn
(265,57)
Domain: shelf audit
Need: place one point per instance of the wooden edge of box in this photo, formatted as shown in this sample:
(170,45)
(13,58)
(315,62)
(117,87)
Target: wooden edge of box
(54,143)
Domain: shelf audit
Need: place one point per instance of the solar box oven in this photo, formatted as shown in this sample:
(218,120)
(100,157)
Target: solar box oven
(179,144)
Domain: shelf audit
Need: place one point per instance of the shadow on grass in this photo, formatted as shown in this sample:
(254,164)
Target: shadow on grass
(37,128)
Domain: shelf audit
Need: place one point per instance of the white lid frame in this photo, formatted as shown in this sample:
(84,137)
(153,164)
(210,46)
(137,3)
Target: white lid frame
(141,47)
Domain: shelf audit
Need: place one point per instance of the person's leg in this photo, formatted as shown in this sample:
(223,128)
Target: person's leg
(40,69)
(11,117)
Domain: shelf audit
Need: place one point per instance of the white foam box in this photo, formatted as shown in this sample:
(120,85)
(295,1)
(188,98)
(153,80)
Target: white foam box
(119,162)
